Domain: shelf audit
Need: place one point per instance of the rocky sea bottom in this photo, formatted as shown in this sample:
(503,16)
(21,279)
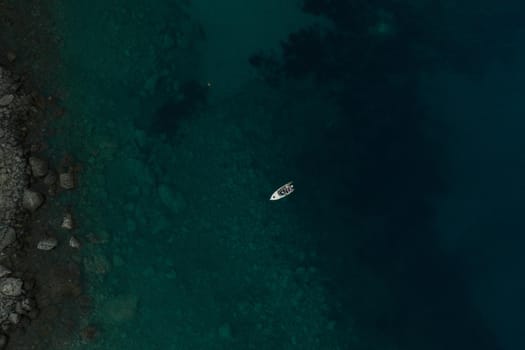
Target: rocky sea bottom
(179,246)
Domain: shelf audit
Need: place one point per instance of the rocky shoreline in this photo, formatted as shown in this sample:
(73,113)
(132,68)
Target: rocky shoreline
(30,282)
(16,303)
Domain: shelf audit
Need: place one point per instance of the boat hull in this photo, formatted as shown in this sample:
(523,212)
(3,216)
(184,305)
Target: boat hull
(283,191)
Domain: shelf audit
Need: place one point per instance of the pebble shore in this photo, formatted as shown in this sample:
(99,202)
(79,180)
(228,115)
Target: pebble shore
(16,304)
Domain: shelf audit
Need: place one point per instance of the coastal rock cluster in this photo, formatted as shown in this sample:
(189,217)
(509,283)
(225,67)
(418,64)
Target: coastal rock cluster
(13,168)
(16,305)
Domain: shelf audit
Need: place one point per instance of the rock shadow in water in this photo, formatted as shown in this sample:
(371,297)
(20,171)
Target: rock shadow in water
(166,119)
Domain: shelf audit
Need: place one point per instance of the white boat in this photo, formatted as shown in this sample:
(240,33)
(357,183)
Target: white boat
(282,191)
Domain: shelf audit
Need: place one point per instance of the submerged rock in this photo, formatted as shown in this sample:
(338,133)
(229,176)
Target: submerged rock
(47,244)
(39,166)
(50,178)
(225,331)
(97,264)
(67,222)
(121,308)
(67,181)
(27,305)
(173,201)
(74,243)
(32,200)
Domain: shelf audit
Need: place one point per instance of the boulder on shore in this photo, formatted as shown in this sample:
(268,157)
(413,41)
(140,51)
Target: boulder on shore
(32,200)
(39,167)
(11,286)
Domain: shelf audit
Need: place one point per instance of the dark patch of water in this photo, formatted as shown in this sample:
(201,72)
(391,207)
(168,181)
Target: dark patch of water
(166,118)
(376,232)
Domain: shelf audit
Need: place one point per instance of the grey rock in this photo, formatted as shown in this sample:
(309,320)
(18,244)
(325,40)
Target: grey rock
(14,318)
(74,243)
(27,304)
(11,286)
(50,178)
(39,166)
(4,178)
(67,181)
(67,221)
(6,100)
(4,271)
(32,200)
(47,243)
(7,237)
(18,308)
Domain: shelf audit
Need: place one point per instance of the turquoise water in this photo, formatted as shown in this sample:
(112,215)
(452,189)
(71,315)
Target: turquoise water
(181,247)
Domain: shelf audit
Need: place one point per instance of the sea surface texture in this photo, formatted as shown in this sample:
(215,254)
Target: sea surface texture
(400,123)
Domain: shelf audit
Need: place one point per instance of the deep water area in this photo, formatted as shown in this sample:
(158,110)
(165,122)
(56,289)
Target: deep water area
(398,121)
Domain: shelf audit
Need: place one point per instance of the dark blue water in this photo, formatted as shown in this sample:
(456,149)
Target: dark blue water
(399,123)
